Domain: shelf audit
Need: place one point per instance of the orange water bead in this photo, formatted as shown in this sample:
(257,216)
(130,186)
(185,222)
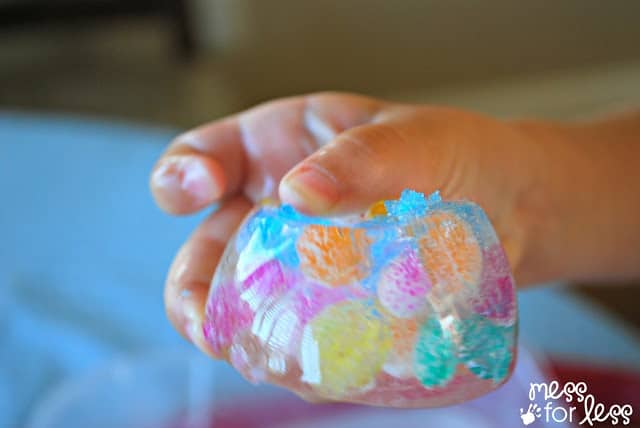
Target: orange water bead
(450,252)
(334,255)
(404,333)
(376,210)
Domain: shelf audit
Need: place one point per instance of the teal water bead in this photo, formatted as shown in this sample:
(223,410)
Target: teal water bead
(486,348)
(435,357)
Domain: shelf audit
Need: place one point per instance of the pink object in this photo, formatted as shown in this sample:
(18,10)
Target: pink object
(226,314)
(496,297)
(267,281)
(403,285)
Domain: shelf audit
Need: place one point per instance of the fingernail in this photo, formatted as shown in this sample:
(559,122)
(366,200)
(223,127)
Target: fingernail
(186,174)
(310,188)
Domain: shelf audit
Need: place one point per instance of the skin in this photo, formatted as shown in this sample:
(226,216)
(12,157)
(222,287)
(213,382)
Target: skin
(563,197)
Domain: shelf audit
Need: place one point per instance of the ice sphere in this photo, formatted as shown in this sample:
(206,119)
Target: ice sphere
(411,304)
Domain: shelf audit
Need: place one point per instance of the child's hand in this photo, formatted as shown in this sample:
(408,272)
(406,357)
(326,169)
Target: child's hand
(340,153)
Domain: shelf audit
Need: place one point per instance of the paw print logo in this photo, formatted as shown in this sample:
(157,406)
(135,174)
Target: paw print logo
(532,413)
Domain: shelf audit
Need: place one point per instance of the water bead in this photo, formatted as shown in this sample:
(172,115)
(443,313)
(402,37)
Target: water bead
(344,347)
(435,358)
(267,280)
(271,237)
(403,285)
(378,209)
(450,252)
(486,348)
(334,255)
(411,203)
(225,315)
(410,304)
(496,296)
(231,309)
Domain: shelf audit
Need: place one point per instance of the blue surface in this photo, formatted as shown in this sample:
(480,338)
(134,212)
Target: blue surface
(84,252)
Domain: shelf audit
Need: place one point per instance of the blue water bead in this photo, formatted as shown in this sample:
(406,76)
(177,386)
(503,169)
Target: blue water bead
(434,198)
(288,213)
(411,203)
(247,229)
(272,237)
(385,245)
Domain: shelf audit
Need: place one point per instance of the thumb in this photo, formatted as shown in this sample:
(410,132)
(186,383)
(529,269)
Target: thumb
(366,164)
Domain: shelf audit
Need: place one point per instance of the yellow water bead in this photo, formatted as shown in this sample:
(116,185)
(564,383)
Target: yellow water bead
(344,348)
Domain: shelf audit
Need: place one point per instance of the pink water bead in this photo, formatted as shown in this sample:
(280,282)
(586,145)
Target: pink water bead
(403,285)
(231,307)
(225,315)
(496,297)
(269,280)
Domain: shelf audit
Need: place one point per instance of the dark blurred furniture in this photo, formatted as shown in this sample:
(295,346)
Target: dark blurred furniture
(30,13)
(619,298)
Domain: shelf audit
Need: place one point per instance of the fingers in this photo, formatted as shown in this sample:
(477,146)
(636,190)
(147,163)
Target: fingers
(369,163)
(328,114)
(250,152)
(274,138)
(183,184)
(199,168)
(281,133)
(190,275)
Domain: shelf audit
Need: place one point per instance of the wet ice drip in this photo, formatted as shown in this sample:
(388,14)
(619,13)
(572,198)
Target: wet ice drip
(410,305)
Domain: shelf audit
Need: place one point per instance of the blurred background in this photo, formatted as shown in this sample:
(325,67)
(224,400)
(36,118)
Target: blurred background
(187,61)
(91,91)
